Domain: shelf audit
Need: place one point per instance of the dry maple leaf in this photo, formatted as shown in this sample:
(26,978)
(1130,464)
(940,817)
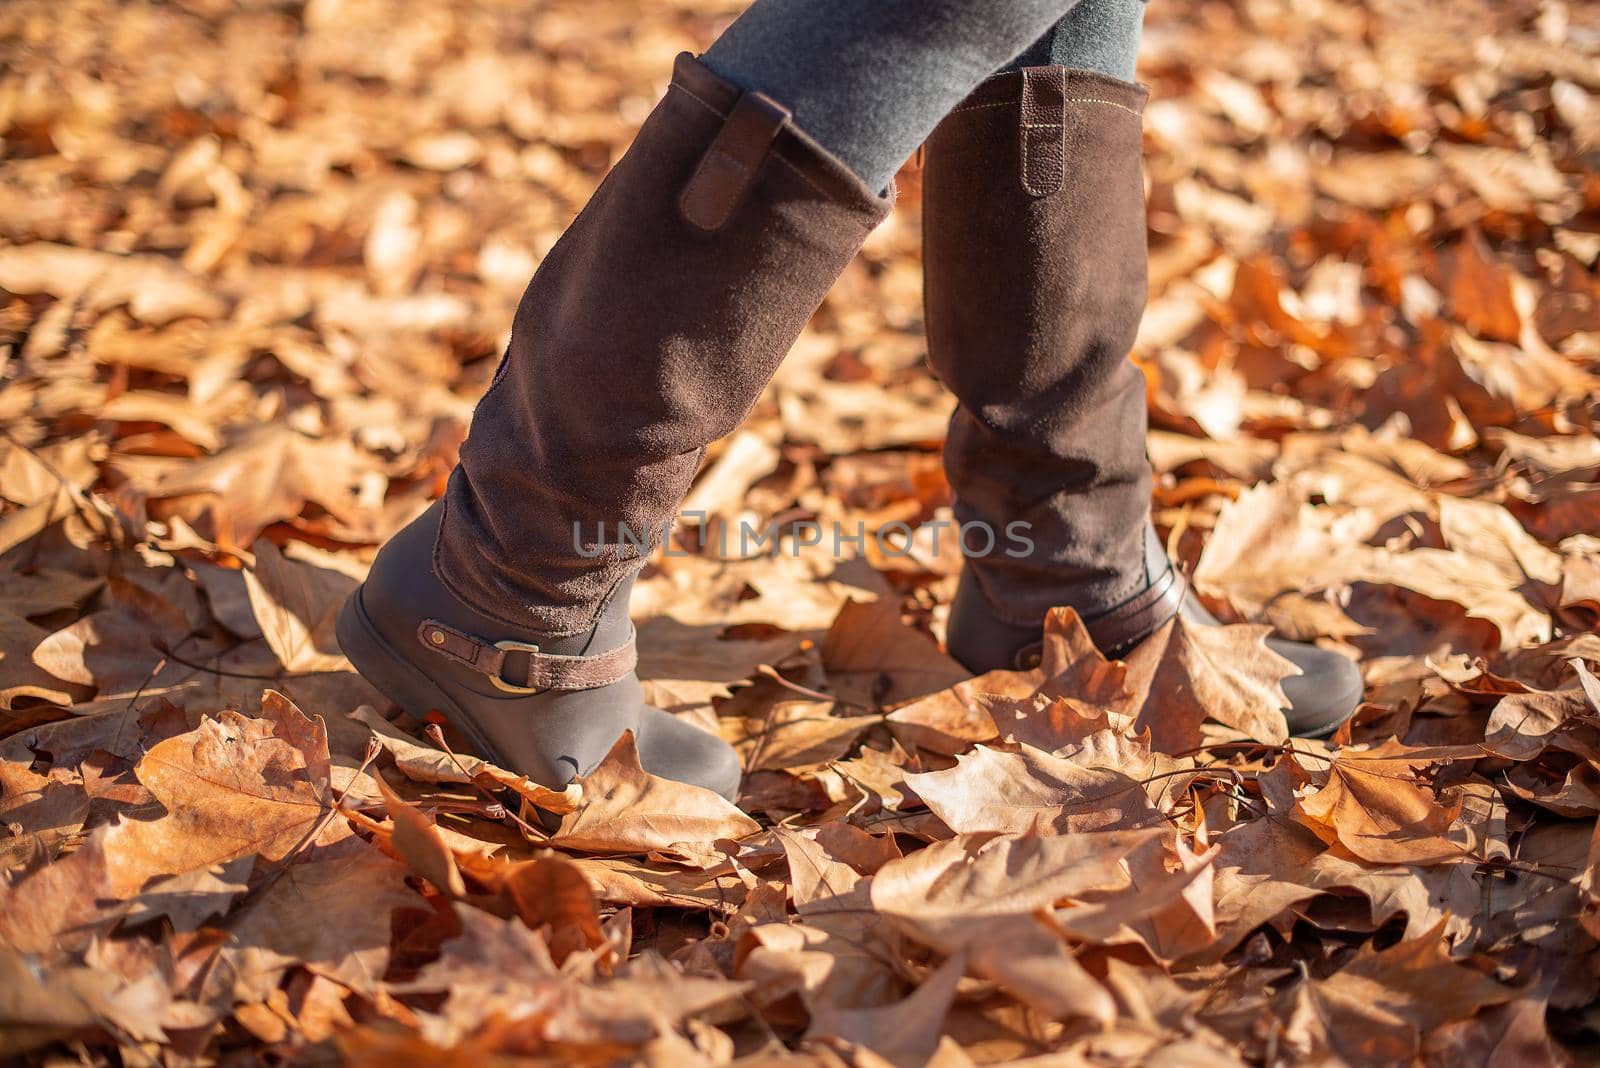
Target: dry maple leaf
(268,476)
(800,968)
(1490,535)
(1267,865)
(296,604)
(829,866)
(23,678)
(627,810)
(1029,790)
(61,904)
(952,720)
(1375,1009)
(873,659)
(233,787)
(1485,591)
(190,899)
(126,730)
(980,895)
(425,764)
(416,840)
(1166,904)
(40,814)
(1515,378)
(551,895)
(1051,724)
(493,967)
(505,988)
(1513,1032)
(38,1007)
(329,911)
(904,1034)
(798,733)
(639,883)
(1271,541)
(1374,805)
(1187,673)
(119,648)
(1523,725)
(1072,666)
(1173,681)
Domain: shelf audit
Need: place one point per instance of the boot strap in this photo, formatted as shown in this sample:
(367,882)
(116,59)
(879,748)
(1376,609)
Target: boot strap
(1116,632)
(1042,133)
(730,165)
(520,667)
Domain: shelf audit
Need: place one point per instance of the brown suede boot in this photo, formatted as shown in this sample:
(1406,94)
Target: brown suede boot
(1034,252)
(548,708)
(649,331)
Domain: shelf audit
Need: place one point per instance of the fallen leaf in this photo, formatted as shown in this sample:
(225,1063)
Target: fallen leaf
(188,900)
(425,764)
(1375,806)
(1188,673)
(296,606)
(551,895)
(232,788)
(1375,1009)
(905,1034)
(874,660)
(628,810)
(1015,793)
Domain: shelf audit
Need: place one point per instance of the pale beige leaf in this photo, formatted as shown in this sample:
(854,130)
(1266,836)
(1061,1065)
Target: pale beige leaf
(627,810)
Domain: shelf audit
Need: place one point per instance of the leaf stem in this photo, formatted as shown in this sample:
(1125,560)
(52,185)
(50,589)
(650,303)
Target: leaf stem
(436,736)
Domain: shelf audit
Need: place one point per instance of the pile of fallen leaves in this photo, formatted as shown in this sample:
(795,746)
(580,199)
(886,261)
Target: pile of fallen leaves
(257,260)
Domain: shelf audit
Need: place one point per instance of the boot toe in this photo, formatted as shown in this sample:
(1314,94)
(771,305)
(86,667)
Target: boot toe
(669,748)
(1324,695)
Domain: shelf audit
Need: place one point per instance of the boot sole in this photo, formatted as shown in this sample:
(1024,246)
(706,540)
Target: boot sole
(396,677)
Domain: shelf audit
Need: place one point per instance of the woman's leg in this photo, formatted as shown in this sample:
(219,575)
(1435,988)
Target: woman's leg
(870,79)
(648,332)
(1097,35)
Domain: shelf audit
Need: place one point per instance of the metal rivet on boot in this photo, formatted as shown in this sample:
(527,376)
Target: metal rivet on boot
(436,637)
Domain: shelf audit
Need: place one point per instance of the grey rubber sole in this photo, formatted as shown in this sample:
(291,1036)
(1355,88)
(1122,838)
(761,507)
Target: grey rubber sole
(397,678)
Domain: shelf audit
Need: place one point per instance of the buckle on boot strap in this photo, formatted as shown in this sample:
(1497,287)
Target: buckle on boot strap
(522,667)
(506,645)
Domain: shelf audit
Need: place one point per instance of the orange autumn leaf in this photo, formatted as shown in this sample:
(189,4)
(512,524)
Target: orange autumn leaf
(1376,806)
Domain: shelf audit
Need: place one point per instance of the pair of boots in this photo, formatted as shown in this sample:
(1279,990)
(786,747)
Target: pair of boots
(651,329)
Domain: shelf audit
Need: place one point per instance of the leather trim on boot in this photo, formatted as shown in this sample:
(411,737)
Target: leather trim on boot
(1116,632)
(529,669)
(1043,130)
(729,167)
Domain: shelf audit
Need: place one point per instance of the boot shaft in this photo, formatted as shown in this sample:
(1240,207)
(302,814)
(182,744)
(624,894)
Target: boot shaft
(1035,280)
(647,333)
(1034,240)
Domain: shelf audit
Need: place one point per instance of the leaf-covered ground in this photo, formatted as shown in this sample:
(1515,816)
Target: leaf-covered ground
(257,260)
